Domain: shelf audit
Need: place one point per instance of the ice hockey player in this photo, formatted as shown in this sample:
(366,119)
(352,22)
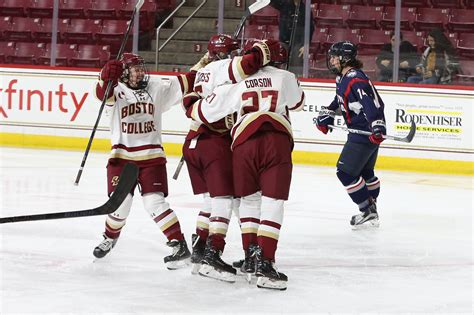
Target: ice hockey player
(362,108)
(209,158)
(261,143)
(135,106)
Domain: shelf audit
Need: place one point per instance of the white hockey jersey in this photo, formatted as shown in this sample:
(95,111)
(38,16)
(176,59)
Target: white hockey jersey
(136,119)
(265,96)
(215,74)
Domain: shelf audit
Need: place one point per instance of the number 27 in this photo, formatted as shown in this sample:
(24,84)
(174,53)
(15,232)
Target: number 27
(255,100)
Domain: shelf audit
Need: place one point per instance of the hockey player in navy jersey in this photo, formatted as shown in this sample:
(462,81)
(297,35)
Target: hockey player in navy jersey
(362,108)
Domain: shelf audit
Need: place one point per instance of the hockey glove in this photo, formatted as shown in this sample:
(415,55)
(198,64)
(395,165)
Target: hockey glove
(324,119)
(266,48)
(188,102)
(112,70)
(204,61)
(378,131)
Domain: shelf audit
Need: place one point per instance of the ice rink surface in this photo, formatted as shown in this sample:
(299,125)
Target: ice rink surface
(420,260)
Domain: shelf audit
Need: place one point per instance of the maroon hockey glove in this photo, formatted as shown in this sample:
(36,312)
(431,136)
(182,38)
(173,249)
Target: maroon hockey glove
(266,49)
(112,70)
(378,131)
(188,102)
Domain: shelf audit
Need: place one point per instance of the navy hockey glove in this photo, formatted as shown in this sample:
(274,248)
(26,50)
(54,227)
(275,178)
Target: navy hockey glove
(378,131)
(324,119)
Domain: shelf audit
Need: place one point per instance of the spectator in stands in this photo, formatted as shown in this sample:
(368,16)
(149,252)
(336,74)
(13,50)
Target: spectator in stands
(408,60)
(438,61)
(287,10)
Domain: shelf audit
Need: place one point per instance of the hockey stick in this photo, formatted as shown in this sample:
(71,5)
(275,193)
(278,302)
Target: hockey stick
(254,7)
(406,139)
(127,180)
(107,91)
(293,33)
(178,168)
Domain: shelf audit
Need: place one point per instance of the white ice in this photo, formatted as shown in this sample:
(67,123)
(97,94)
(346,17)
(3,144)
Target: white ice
(419,260)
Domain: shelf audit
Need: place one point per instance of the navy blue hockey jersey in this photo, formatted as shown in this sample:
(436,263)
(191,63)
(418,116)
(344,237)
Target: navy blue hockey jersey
(359,102)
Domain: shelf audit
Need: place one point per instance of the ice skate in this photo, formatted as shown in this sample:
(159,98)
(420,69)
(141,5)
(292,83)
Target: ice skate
(248,264)
(104,247)
(198,253)
(268,277)
(180,256)
(213,266)
(368,218)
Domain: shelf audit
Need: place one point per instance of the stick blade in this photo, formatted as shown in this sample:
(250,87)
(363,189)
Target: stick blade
(412,132)
(258,5)
(127,180)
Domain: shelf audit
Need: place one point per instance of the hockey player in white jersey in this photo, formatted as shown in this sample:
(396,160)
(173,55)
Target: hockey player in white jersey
(262,142)
(208,156)
(135,106)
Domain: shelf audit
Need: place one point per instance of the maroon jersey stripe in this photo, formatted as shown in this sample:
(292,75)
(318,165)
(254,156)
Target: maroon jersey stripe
(271,223)
(139,148)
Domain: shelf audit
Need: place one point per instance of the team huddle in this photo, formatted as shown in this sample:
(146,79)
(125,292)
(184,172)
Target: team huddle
(237,151)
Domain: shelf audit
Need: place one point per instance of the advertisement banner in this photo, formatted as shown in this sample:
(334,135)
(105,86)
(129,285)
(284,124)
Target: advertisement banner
(44,99)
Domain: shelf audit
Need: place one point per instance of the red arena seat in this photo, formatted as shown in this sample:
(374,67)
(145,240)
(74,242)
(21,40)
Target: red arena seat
(64,52)
(371,41)
(332,15)
(5,24)
(91,56)
(105,9)
(44,32)
(416,3)
(26,53)
(147,12)
(320,36)
(429,18)
(364,17)
(382,2)
(112,34)
(447,4)
(466,74)
(351,2)
(255,31)
(74,9)
(465,45)
(40,8)
(21,29)
(340,34)
(370,66)
(13,7)
(461,20)
(408,16)
(82,31)
(273,32)
(7,49)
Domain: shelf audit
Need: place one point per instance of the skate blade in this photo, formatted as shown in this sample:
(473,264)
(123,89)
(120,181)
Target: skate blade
(195,268)
(372,224)
(173,265)
(209,272)
(267,283)
(248,277)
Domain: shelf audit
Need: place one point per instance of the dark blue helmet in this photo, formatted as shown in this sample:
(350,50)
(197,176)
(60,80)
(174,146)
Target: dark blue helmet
(346,51)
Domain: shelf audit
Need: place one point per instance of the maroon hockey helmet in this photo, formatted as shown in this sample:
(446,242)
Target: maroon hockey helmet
(137,78)
(221,46)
